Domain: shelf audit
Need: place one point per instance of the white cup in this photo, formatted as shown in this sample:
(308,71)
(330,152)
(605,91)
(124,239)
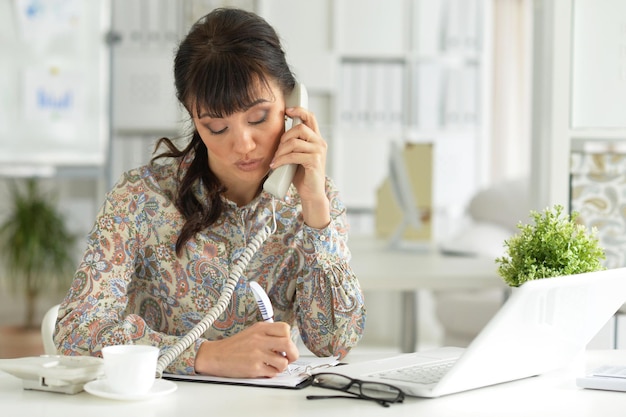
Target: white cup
(130,369)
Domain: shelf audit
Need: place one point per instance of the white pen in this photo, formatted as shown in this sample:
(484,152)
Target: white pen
(264,303)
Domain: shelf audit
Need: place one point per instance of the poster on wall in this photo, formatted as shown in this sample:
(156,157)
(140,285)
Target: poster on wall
(39,19)
(54,85)
(53,96)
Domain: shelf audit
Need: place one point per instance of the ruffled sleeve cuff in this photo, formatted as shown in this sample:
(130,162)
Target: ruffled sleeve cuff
(324,248)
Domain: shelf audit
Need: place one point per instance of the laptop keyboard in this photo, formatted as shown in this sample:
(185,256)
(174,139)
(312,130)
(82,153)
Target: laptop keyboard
(421,373)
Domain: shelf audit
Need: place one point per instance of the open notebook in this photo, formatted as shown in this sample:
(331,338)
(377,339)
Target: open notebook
(543,326)
(296,376)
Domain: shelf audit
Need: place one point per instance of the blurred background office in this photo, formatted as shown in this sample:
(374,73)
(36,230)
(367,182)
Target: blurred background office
(499,91)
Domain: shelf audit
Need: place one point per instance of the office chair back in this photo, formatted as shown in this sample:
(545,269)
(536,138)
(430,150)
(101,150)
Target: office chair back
(47,330)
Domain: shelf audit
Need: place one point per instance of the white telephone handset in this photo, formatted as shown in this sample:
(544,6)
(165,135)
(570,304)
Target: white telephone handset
(278,181)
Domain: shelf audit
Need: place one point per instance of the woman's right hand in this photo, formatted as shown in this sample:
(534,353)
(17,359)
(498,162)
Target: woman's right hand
(261,350)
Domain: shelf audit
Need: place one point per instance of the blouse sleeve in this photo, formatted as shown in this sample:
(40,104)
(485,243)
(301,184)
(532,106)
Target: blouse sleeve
(92,314)
(330,306)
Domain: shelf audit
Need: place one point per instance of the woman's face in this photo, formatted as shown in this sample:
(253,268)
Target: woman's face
(242,145)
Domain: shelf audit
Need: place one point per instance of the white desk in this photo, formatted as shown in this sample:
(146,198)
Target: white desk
(380,268)
(553,394)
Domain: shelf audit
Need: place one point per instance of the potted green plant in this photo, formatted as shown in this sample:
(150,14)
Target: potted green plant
(555,245)
(35,245)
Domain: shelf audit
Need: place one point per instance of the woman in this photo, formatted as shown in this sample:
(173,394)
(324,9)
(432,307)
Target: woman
(166,237)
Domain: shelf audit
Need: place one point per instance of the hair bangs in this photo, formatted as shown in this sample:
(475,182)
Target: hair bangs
(232,85)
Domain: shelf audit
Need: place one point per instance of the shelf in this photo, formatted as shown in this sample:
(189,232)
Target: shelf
(445,59)
(394,75)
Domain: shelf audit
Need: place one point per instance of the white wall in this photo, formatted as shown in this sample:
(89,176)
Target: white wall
(578,73)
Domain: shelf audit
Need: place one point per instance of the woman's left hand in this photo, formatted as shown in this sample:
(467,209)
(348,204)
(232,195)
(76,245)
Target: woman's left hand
(303,145)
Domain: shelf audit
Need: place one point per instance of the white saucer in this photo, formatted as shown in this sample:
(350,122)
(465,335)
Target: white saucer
(99,388)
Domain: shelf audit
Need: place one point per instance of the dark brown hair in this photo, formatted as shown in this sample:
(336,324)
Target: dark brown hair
(217,67)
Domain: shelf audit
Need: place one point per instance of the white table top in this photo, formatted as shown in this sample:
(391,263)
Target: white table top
(380,268)
(554,394)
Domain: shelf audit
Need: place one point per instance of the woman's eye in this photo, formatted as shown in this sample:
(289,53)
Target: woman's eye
(217,132)
(259,120)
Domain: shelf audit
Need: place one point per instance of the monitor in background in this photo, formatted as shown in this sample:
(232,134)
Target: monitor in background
(403,194)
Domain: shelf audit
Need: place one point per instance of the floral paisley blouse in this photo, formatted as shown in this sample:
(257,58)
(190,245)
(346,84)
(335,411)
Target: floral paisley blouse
(131,287)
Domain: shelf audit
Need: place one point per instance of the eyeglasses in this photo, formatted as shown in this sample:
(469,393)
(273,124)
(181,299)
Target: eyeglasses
(383,394)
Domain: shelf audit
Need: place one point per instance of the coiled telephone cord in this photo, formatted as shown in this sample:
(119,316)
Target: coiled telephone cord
(222,302)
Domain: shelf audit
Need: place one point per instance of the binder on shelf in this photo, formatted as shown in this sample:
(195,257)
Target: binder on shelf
(461,24)
(361,95)
(428,27)
(396,75)
(451,98)
(460,99)
(372,94)
(346,112)
(428,95)
(381,101)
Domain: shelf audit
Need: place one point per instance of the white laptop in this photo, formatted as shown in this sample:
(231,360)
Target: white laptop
(543,326)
